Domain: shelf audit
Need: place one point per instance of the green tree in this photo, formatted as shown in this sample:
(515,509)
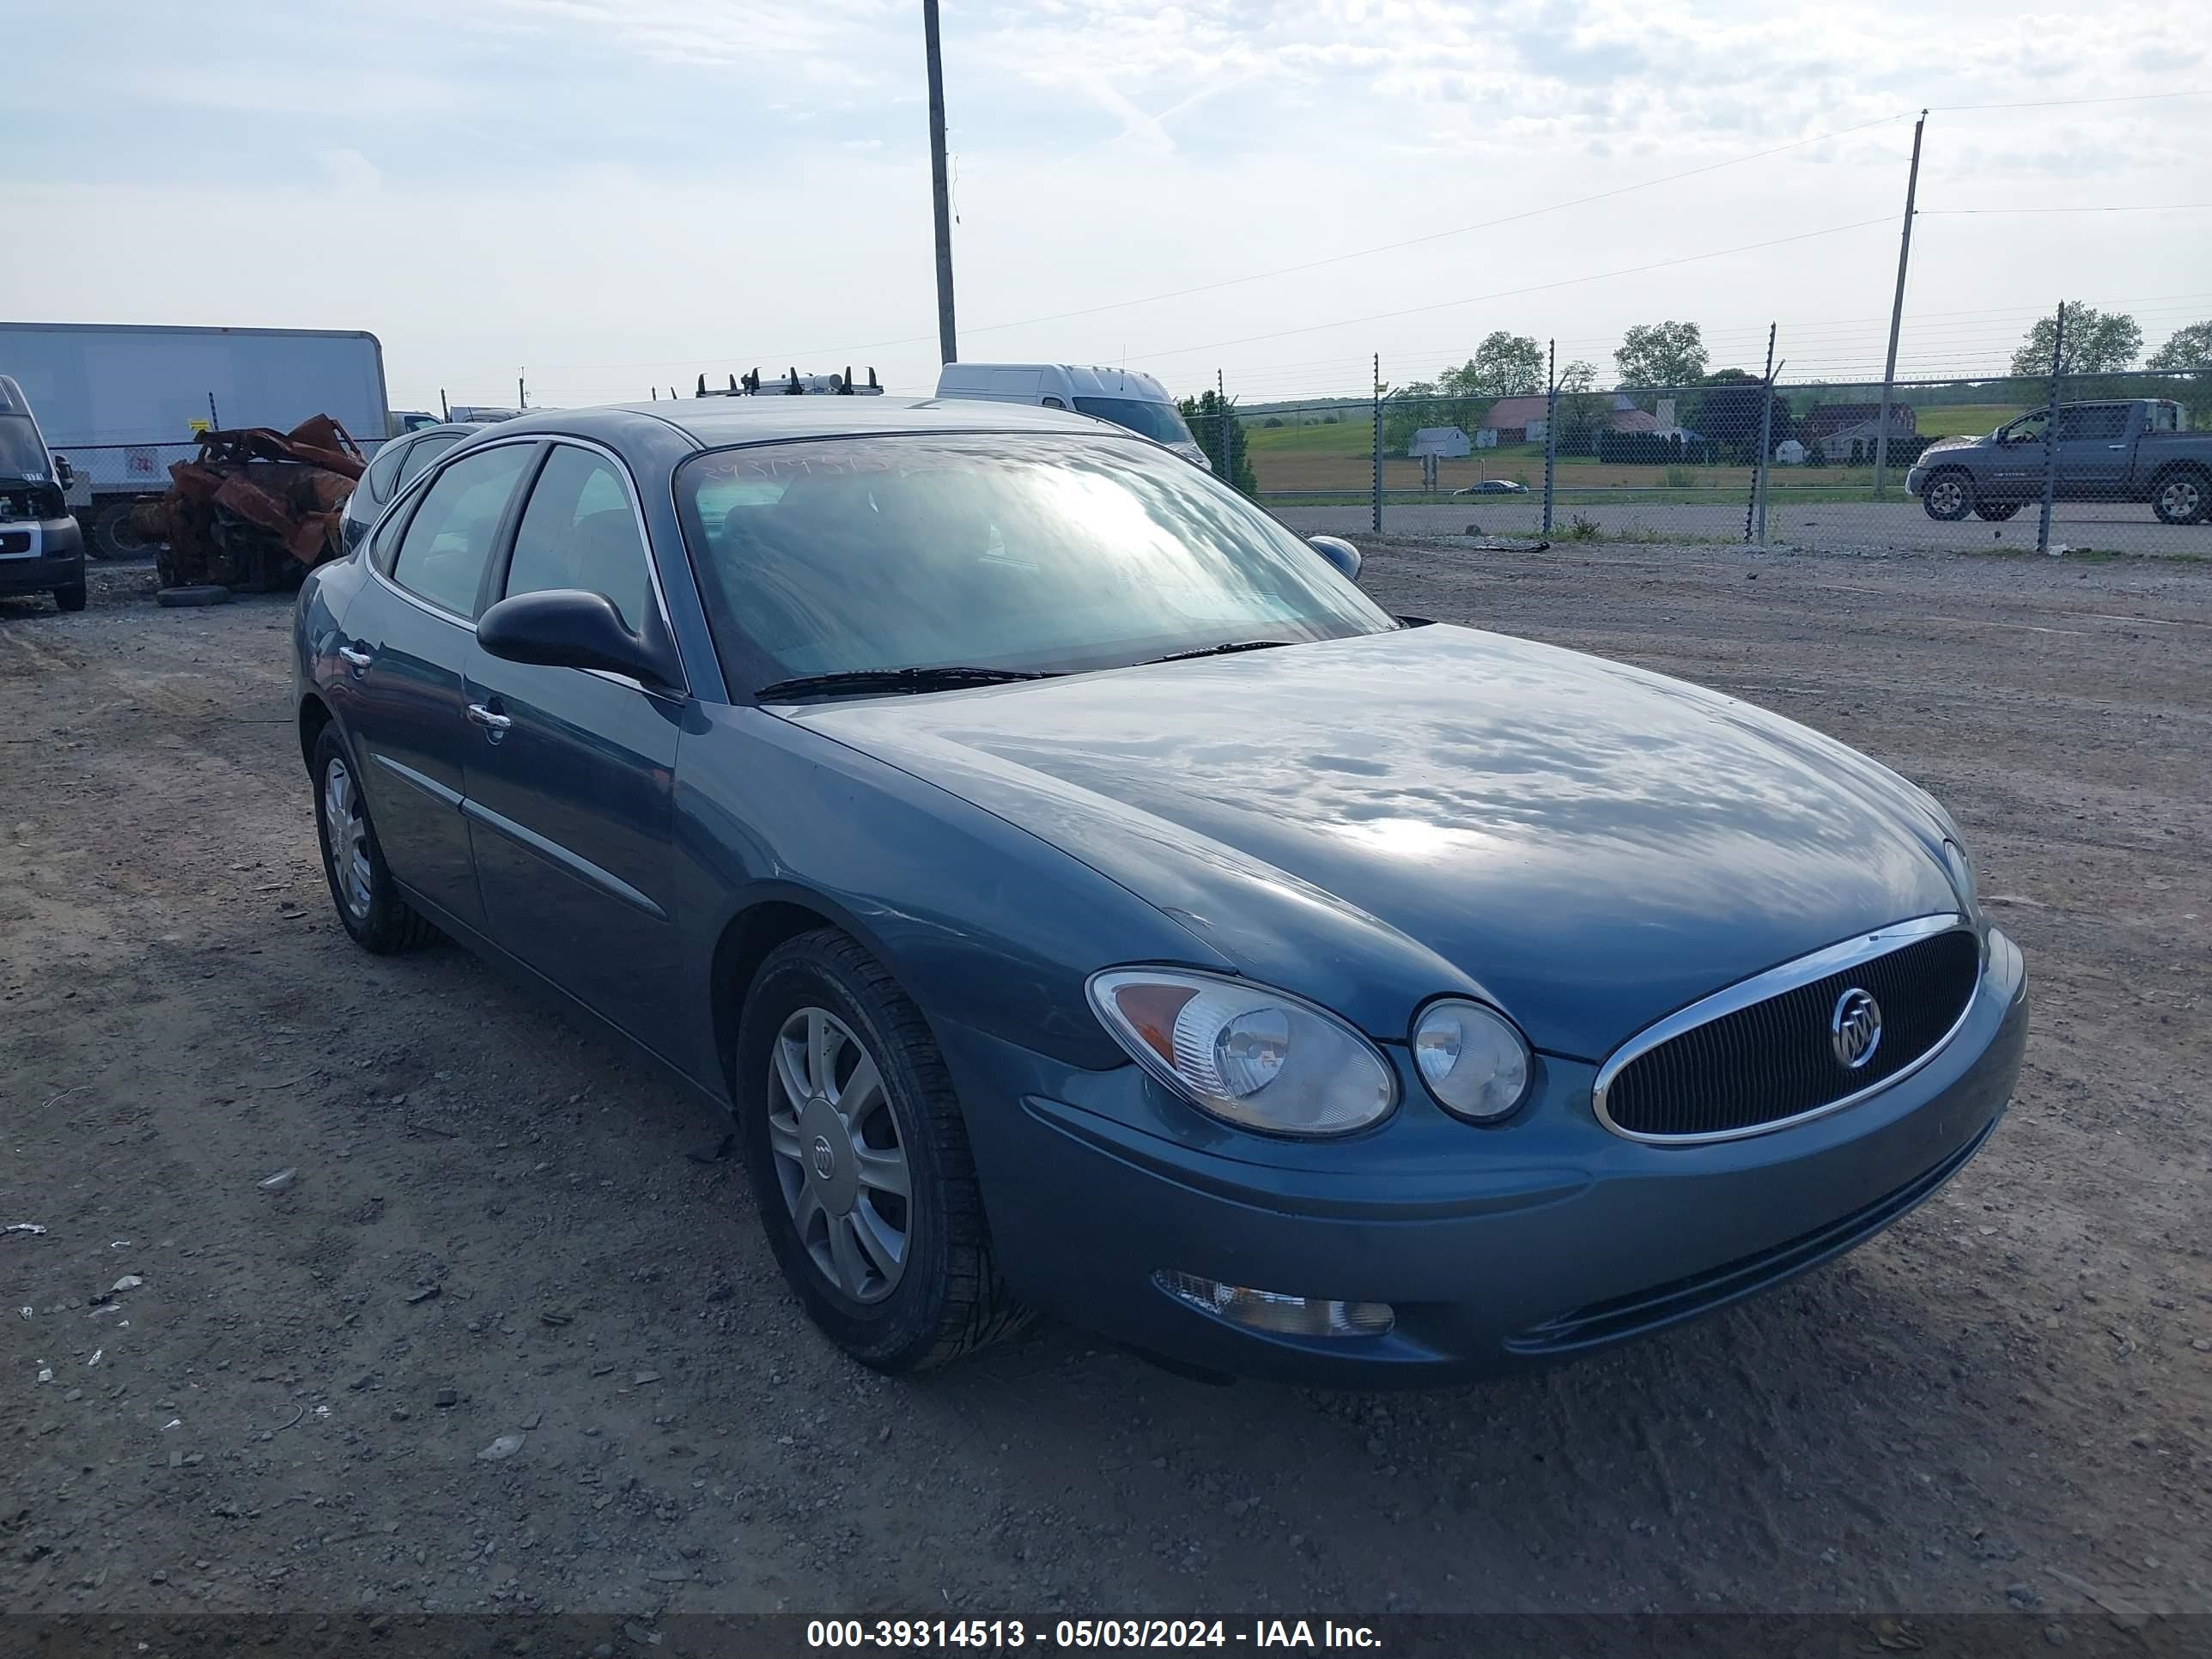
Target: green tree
(2097,342)
(1407,408)
(1583,408)
(1731,410)
(2190,348)
(1213,420)
(1661,354)
(1504,366)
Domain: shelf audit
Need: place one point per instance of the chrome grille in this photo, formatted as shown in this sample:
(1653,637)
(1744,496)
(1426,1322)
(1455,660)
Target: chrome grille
(1755,1061)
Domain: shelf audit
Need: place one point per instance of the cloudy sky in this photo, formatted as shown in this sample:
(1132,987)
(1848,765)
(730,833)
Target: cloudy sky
(614,195)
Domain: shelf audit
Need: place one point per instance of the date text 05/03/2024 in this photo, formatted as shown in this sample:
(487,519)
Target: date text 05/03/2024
(926,1634)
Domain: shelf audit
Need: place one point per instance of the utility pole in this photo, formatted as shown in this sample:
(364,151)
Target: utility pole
(948,350)
(1221,425)
(521,393)
(1897,317)
(1551,429)
(2050,430)
(1378,443)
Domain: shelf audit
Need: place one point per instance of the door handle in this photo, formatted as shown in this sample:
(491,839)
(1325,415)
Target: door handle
(360,659)
(2116,445)
(489,719)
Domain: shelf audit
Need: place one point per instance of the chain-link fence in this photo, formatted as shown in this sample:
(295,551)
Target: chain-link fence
(2109,462)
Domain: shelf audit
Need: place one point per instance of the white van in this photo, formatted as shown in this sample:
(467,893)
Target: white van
(1126,397)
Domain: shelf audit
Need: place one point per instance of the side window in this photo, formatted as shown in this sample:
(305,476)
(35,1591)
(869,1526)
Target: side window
(383,470)
(2103,422)
(442,555)
(580,531)
(422,454)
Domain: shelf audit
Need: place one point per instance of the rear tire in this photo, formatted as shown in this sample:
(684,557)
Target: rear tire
(1995,512)
(111,533)
(2183,496)
(1948,496)
(70,598)
(362,892)
(944,1296)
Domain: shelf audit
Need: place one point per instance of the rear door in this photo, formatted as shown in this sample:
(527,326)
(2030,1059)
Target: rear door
(569,772)
(407,637)
(2095,444)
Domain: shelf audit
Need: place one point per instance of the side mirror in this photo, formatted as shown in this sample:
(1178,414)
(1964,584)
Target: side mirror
(65,474)
(568,628)
(1338,552)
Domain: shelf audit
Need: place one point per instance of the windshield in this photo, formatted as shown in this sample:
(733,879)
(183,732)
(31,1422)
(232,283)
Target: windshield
(21,455)
(1034,553)
(1159,422)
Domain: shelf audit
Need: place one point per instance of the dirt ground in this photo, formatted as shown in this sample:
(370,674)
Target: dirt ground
(215,1396)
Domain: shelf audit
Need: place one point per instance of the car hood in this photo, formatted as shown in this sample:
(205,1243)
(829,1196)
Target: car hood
(1943,444)
(1372,820)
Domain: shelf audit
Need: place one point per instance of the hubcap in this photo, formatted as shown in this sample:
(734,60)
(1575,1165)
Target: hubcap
(839,1161)
(1948,496)
(2182,499)
(345,835)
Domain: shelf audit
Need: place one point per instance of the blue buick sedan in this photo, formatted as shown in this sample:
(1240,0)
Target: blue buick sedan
(1084,898)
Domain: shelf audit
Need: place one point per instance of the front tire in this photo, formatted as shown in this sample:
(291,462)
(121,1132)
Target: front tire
(70,598)
(858,1154)
(1948,496)
(362,892)
(2182,497)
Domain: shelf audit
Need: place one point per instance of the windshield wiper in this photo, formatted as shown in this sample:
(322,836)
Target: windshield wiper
(1220,650)
(896,679)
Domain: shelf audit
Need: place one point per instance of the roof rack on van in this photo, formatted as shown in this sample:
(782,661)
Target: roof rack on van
(795,385)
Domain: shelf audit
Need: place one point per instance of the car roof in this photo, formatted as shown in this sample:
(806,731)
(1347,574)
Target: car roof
(713,423)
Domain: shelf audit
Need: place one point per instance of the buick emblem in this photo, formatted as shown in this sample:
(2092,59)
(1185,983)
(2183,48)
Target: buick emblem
(825,1161)
(1855,1029)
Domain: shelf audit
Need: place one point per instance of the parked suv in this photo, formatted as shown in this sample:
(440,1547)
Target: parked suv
(2133,449)
(41,549)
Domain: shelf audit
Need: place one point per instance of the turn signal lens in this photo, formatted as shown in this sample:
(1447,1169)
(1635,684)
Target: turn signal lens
(1256,1057)
(1276,1314)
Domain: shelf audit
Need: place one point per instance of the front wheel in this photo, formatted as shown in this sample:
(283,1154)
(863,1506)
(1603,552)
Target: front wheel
(368,903)
(859,1158)
(1948,496)
(72,597)
(1995,512)
(2182,497)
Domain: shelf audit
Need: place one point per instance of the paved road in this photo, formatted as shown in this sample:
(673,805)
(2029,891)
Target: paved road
(1872,525)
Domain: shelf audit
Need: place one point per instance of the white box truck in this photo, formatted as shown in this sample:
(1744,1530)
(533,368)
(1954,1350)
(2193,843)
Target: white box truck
(122,401)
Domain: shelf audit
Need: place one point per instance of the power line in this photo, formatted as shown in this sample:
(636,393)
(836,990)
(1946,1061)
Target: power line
(1509,293)
(2164,207)
(2069,103)
(1316,264)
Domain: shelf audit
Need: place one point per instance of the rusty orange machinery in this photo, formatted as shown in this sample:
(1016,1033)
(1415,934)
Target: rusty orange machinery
(257,507)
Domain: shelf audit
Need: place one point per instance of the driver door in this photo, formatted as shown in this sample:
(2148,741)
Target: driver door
(570,771)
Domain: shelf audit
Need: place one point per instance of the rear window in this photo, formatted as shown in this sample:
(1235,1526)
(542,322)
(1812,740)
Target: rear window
(1160,421)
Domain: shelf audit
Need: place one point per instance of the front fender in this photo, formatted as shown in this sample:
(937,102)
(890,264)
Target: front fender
(981,921)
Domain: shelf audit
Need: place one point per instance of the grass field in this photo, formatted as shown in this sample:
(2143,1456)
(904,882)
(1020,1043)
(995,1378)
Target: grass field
(1336,457)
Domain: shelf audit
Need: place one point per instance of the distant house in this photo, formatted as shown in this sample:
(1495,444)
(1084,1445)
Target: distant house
(1823,420)
(1516,421)
(1856,444)
(1789,453)
(1447,442)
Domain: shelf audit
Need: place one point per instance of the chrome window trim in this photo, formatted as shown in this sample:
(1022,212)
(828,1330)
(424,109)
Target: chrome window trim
(423,481)
(645,546)
(1833,958)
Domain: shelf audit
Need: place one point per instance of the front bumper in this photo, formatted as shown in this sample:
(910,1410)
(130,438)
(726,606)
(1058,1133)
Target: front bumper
(39,555)
(1914,478)
(1497,1248)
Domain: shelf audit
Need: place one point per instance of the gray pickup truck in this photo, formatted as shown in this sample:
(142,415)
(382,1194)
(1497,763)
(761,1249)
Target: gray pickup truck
(2132,449)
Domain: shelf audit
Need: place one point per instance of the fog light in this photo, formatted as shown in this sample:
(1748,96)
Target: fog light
(1275,1313)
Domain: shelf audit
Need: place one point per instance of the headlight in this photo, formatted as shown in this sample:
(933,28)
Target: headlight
(1472,1059)
(1960,869)
(1258,1058)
